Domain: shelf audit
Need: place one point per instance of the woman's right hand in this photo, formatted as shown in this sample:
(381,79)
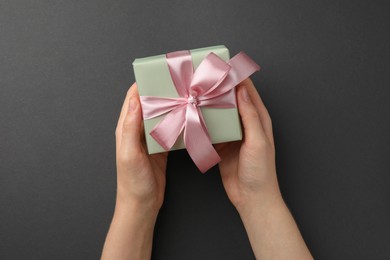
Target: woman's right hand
(248,174)
(248,167)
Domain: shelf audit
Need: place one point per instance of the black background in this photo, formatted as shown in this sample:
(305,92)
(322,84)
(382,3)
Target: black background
(65,67)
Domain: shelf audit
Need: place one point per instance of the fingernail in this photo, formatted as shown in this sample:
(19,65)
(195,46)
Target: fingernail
(245,95)
(132,104)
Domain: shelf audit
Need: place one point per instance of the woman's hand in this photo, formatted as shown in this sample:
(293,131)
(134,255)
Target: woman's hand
(249,176)
(248,167)
(140,187)
(140,177)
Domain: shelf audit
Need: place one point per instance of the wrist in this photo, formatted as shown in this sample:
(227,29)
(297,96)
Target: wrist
(136,210)
(272,231)
(260,203)
(148,204)
(131,231)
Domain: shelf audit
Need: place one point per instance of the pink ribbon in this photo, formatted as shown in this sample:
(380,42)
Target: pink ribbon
(211,85)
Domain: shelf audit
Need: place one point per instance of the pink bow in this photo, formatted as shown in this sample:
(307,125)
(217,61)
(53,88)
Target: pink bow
(211,85)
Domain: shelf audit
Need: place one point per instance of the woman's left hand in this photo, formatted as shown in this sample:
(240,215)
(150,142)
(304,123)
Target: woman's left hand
(140,187)
(140,176)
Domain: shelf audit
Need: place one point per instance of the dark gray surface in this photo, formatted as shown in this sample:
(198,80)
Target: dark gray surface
(65,67)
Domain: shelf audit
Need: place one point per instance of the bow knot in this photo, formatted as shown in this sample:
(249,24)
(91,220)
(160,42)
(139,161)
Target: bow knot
(192,100)
(211,86)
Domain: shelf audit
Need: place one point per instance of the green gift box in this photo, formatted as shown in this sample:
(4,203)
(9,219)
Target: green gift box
(154,79)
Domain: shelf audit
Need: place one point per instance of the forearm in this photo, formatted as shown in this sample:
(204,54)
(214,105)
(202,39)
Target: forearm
(272,231)
(131,233)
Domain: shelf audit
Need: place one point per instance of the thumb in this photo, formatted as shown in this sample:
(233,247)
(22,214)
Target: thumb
(253,130)
(132,128)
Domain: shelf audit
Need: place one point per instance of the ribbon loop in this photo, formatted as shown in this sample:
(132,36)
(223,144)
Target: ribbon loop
(211,85)
(216,70)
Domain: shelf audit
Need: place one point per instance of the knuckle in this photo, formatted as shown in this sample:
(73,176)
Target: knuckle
(127,126)
(129,159)
(251,115)
(261,146)
(122,159)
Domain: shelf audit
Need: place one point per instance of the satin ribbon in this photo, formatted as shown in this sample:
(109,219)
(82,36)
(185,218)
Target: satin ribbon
(211,85)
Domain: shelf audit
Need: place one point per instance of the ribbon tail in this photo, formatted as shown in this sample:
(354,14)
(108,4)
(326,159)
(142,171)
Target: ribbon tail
(203,123)
(197,141)
(169,128)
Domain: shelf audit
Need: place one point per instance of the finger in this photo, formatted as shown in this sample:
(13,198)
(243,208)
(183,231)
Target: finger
(253,130)
(132,127)
(260,107)
(125,106)
(133,89)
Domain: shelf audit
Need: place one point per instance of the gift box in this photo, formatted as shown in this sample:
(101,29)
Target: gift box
(188,100)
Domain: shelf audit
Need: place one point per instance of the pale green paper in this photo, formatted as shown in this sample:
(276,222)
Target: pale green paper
(153,79)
